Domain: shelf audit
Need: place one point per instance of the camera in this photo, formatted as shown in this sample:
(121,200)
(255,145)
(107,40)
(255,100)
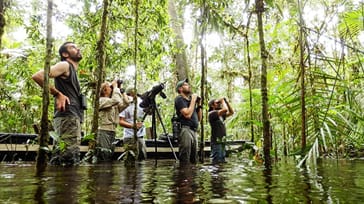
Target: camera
(149,96)
(119,82)
(83,101)
(198,99)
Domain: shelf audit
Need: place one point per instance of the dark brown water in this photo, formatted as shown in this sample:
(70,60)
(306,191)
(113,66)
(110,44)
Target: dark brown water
(164,181)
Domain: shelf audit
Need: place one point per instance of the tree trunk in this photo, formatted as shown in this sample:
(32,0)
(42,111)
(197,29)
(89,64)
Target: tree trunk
(136,28)
(266,126)
(2,20)
(302,67)
(130,159)
(41,161)
(203,75)
(249,81)
(285,150)
(100,56)
(180,56)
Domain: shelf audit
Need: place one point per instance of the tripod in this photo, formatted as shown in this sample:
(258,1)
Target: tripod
(155,112)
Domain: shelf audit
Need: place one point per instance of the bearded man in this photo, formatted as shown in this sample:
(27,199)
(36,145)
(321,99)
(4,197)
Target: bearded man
(189,112)
(68,111)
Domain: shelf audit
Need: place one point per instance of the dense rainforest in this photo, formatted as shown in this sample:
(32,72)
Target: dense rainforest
(292,70)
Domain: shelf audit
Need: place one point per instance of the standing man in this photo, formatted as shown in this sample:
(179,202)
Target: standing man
(68,111)
(188,108)
(126,120)
(219,110)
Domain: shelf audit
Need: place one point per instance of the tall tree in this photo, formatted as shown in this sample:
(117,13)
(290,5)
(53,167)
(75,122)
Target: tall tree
(302,67)
(135,145)
(2,19)
(203,27)
(41,161)
(100,56)
(180,55)
(259,8)
(135,60)
(249,80)
(100,77)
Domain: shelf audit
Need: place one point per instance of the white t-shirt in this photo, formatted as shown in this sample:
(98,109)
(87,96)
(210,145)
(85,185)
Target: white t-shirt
(128,115)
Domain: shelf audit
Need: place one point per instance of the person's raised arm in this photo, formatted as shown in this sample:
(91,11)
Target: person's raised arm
(60,69)
(188,111)
(230,109)
(224,108)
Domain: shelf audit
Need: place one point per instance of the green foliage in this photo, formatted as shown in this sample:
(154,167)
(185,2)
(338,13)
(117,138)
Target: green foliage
(352,22)
(129,156)
(61,144)
(89,137)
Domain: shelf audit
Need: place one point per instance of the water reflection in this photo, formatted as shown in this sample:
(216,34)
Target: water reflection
(267,173)
(39,192)
(307,184)
(344,178)
(167,182)
(100,182)
(64,184)
(131,190)
(185,186)
(218,178)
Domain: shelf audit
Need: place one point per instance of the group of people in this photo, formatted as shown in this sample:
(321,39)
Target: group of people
(189,112)
(117,107)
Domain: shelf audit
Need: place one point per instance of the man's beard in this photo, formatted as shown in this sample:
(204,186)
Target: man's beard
(186,92)
(76,57)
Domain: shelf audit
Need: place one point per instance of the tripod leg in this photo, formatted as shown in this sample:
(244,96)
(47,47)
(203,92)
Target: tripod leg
(165,132)
(154,132)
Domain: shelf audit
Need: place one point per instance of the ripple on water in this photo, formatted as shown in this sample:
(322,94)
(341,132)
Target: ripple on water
(237,181)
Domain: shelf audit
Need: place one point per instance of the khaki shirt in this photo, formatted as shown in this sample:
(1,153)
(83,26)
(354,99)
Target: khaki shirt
(110,108)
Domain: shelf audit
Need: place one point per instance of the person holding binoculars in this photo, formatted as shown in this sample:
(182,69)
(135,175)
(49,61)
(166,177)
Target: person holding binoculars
(112,101)
(188,109)
(219,110)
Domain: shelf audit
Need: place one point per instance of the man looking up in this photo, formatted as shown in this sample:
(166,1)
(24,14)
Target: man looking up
(68,113)
(219,110)
(189,116)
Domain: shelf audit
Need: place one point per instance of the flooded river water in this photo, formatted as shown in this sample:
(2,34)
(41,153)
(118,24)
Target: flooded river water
(164,181)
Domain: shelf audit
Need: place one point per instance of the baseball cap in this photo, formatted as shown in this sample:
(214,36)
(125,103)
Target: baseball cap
(180,84)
